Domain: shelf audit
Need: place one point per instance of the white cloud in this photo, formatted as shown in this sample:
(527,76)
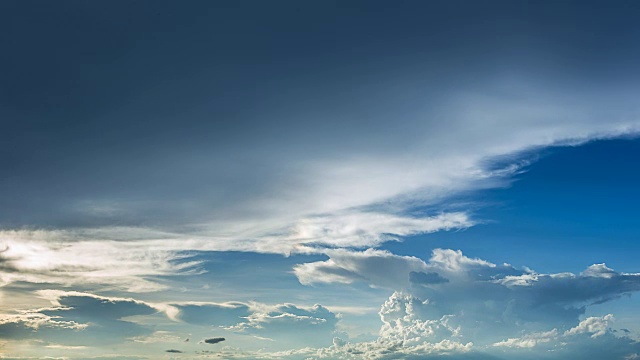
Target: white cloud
(390,349)
(68,258)
(376,267)
(362,229)
(381,268)
(455,297)
(530,340)
(403,319)
(65,347)
(36,320)
(453,261)
(289,324)
(599,270)
(56,257)
(596,326)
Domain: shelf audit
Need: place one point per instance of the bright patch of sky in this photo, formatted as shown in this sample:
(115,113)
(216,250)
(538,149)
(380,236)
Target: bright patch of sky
(330,180)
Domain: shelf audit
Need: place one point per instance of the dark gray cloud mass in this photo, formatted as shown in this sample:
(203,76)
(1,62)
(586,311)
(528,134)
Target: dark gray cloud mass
(214,340)
(422,278)
(137,122)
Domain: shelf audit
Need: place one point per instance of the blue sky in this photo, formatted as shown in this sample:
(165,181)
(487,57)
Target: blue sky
(319,180)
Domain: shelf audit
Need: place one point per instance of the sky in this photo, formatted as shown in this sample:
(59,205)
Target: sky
(319,180)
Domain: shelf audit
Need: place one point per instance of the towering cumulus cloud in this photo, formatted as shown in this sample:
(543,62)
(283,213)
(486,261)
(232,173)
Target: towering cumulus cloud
(460,304)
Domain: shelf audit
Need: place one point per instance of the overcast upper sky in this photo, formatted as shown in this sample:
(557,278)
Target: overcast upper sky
(319,180)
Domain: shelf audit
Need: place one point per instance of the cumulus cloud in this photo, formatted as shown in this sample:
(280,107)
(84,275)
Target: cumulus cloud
(455,297)
(384,269)
(454,273)
(505,316)
(593,326)
(376,267)
(327,175)
(390,349)
(596,326)
(410,330)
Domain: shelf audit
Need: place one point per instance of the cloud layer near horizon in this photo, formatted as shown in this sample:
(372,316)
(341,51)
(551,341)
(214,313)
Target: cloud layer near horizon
(462,307)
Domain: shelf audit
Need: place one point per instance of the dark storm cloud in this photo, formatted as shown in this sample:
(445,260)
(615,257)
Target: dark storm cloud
(133,113)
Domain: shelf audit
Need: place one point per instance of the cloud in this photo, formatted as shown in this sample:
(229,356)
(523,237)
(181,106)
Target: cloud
(26,322)
(452,272)
(160,336)
(411,331)
(348,196)
(348,163)
(530,340)
(473,301)
(596,326)
(510,310)
(79,319)
(118,307)
(365,229)
(381,268)
(223,314)
(599,270)
(391,349)
(173,351)
(65,347)
(290,325)
(283,325)
(59,257)
(422,278)
(213,340)
(376,267)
